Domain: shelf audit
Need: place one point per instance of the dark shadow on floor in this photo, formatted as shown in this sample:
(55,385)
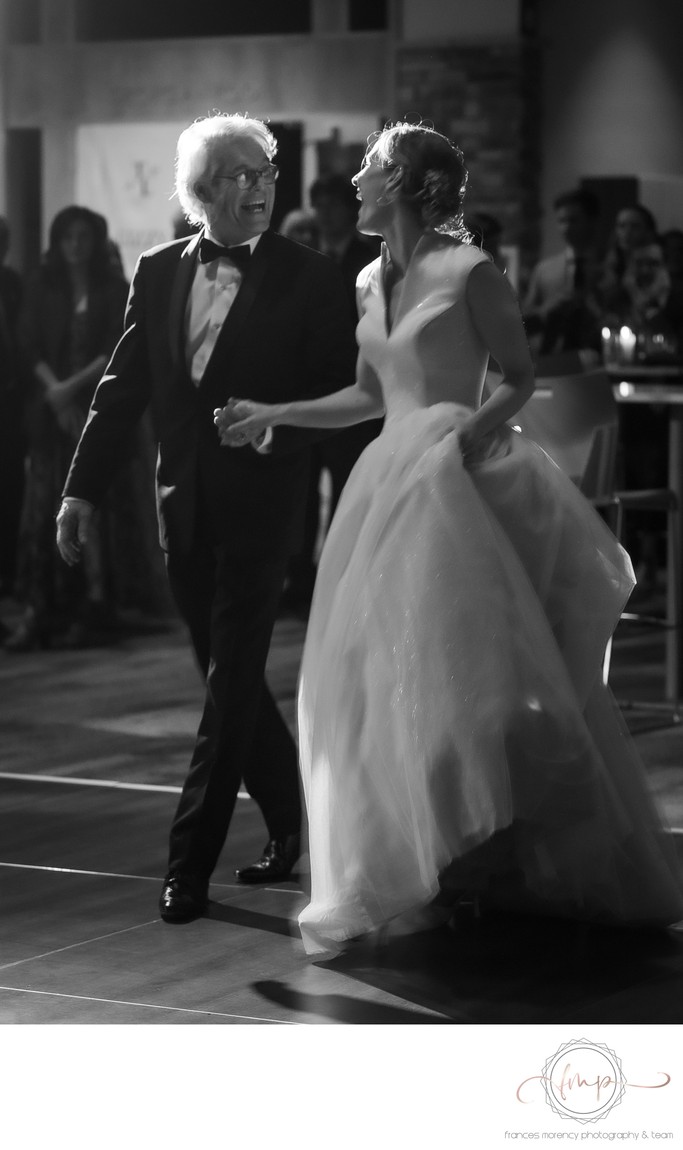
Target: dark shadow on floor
(506,969)
(238,916)
(341,1008)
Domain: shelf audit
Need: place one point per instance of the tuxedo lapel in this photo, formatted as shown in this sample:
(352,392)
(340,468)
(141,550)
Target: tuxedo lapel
(179,294)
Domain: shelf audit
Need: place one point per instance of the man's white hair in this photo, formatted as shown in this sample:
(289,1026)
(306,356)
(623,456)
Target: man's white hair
(197,150)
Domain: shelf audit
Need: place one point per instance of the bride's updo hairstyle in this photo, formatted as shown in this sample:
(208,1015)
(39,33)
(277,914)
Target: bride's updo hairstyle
(431,173)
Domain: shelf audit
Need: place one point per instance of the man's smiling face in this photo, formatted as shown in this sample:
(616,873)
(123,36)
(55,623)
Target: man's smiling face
(235,215)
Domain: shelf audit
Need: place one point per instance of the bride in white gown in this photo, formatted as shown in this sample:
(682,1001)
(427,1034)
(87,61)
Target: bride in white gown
(455,734)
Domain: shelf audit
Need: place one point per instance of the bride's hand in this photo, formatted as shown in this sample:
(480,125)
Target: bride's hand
(242,421)
(469,442)
(477,448)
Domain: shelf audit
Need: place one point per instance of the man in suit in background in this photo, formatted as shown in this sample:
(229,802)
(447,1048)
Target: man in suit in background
(268,320)
(561,307)
(335,206)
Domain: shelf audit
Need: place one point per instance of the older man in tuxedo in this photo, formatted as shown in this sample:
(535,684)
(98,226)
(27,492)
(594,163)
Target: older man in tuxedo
(235,310)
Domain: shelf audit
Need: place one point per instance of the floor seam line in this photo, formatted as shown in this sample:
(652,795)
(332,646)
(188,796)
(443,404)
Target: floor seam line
(242,887)
(145,1005)
(113,784)
(74,945)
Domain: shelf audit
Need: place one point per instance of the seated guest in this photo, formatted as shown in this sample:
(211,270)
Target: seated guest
(633,225)
(561,310)
(645,301)
(672,249)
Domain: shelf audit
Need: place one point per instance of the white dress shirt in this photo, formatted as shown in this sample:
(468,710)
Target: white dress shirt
(213,292)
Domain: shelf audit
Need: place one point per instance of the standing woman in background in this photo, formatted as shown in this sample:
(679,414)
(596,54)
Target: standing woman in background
(73,318)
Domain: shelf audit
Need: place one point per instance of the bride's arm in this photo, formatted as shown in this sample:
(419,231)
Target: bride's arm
(496,316)
(243,420)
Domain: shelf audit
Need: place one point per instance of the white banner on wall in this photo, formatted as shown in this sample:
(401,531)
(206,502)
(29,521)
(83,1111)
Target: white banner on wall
(125,171)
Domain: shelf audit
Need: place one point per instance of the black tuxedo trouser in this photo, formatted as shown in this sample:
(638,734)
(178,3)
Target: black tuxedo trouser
(230,604)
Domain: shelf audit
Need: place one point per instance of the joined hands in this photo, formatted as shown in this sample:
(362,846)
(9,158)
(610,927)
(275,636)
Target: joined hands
(242,421)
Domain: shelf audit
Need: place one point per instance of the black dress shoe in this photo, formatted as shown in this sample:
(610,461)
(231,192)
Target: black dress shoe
(182,899)
(276,862)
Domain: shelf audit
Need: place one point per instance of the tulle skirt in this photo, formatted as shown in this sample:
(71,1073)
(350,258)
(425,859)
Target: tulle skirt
(454,730)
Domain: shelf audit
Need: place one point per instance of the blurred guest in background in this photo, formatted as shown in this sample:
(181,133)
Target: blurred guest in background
(633,226)
(672,247)
(487,231)
(335,210)
(71,322)
(561,309)
(73,314)
(335,206)
(12,435)
(301,225)
(645,302)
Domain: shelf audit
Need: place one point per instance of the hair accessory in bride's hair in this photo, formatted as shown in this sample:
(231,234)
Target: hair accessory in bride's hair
(435,195)
(436,186)
(441,203)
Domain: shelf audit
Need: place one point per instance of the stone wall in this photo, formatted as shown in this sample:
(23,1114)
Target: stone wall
(486,98)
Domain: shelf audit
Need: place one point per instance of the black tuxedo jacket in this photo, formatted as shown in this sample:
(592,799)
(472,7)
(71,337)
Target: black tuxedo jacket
(286,336)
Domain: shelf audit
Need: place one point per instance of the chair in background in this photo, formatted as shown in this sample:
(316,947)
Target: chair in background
(575,419)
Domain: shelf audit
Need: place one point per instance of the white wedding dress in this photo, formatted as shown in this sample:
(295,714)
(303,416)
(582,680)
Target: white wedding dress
(452,719)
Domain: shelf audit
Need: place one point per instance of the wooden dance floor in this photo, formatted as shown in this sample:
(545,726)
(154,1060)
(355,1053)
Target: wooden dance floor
(94,748)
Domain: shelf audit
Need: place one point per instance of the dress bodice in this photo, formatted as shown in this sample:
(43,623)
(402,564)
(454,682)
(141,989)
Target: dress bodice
(432,352)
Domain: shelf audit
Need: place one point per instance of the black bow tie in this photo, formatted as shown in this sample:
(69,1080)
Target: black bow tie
(239,255)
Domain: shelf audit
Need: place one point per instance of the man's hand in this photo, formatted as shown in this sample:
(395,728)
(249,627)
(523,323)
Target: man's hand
(73,522)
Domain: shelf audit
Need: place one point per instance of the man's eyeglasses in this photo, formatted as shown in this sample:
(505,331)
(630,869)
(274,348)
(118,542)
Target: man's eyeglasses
(249,177)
